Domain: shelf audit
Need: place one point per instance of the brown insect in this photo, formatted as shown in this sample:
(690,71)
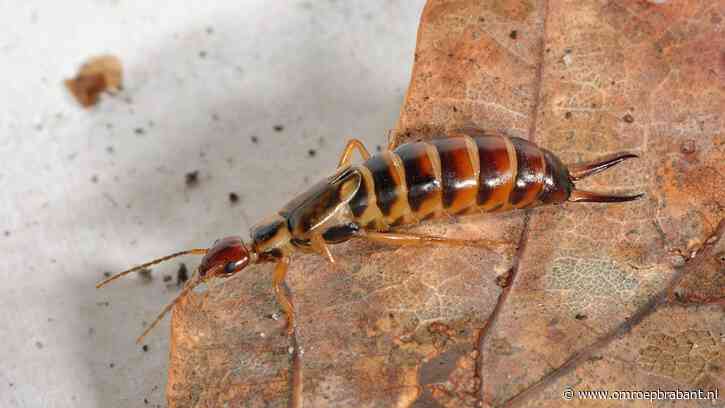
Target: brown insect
(466,172)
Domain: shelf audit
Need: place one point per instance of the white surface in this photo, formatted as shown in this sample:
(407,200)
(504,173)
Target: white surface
(321,69)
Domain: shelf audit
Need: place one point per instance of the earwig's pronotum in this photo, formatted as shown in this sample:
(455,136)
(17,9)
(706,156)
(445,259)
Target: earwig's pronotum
(466,172)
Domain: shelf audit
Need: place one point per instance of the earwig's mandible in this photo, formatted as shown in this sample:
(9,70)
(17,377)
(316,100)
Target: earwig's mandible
(465,172)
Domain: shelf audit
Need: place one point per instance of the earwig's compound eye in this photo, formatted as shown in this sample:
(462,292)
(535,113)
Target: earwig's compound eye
(227,256)
(233,267)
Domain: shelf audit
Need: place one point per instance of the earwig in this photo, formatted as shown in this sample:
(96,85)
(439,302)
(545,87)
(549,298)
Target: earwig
(466,172)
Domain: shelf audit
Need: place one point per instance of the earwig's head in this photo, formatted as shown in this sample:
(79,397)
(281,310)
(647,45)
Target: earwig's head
(226,257)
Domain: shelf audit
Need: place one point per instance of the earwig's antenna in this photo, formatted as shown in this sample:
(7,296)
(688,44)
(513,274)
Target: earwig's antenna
(197,251)
(190,284)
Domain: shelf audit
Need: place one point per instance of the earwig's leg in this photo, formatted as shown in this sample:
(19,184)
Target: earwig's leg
(391,141)
(280,272)
(352,144)
(320,246)
(392,238)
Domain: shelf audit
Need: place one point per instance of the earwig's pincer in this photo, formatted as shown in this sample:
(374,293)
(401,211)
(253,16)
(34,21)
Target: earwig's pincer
(471,172)
(584,170)
(580,171)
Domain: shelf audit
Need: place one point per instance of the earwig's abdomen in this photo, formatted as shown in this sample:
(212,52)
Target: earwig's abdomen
(459,173)
(497,163)
(422,176)
(456,175)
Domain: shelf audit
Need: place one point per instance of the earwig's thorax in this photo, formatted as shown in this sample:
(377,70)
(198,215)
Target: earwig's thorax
(322,206)
(271,238)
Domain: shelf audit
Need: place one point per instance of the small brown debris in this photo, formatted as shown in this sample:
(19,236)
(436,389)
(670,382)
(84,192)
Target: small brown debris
(513,34)
(503,281)
(567,58)
(145,274)
(192,178)
(677,260)
(278,128)
(182,275)
(255,139)
(233,198)
(628,118)
(99,74)
(107,274)
(311,152)
(440,328)
(688,146)
(145,347)
(720,257)
(581,316)
(567,115)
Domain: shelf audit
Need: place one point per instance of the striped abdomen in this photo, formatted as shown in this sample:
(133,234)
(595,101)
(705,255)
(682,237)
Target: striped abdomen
(456,175)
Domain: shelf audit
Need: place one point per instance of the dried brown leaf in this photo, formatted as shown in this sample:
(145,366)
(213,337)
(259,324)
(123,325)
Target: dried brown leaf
(582,296)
